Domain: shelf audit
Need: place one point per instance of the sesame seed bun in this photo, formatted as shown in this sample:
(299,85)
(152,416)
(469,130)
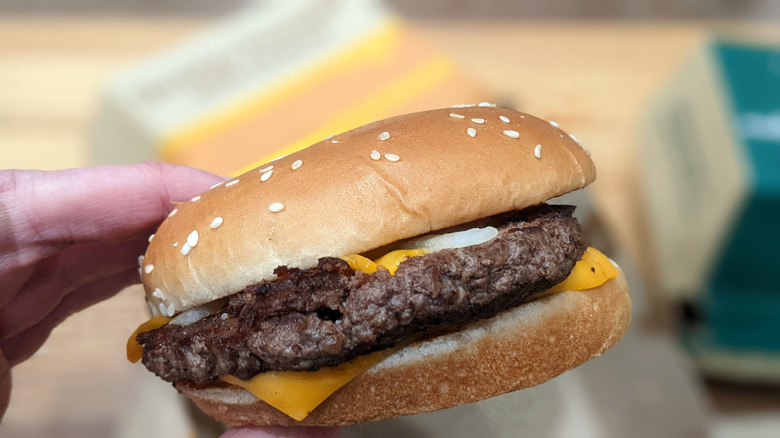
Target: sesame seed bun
(517,349)
(383,182)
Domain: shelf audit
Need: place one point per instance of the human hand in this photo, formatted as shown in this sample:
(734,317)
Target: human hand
(72,238)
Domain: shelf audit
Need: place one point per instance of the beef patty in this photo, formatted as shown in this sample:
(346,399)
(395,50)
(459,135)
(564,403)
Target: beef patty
(311,318)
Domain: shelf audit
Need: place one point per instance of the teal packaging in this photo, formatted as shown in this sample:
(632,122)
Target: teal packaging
(714,133)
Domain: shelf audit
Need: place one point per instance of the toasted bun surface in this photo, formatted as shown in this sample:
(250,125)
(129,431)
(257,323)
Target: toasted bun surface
(517,349)
(334,198)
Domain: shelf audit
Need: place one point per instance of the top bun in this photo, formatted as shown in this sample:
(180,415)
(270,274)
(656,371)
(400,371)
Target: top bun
(380,183)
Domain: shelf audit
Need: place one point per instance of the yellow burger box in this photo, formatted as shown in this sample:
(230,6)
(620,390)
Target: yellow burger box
(270,80)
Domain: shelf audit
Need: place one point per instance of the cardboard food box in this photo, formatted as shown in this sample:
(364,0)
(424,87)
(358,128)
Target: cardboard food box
(711,163)
(270,80)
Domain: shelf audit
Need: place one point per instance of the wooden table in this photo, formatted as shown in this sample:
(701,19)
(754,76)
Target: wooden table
(592,78)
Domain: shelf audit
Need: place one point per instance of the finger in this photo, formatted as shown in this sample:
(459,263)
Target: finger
(57,276)
(5,384)
(283,432)
(48,210)
(13,280)
(20,347)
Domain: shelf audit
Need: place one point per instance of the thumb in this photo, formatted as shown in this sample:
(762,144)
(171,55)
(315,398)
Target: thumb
(5,384)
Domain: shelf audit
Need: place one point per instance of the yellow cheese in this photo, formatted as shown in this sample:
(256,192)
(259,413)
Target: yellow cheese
(134,350)
(390,260)
(298,393)
(359,263)
(592,270)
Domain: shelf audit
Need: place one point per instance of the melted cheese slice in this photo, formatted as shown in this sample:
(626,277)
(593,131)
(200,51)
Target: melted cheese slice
(298,393)
(389,261)
(134,350)
(592,270)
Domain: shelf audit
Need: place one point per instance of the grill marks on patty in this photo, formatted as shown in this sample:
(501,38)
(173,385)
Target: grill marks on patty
(307,319)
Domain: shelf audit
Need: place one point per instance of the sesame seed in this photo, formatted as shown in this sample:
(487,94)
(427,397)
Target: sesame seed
(175,244)
(157,293)
(173,212)
(384,136)
(375,155)
(297,164)
(554,123)
(329,137)
(217,185)
(587,151)
(192,239)
(266,169)
(478,121)
(162,308)
(512,134)
(150,238)
(232,183)
(484,104)
(169,310)
(264,177)
(140,274)
(538,151)
(185,249)
(276,207)
(522,116)
(577,140)
(224,316)
(148,269)
(195,199)
(334,141)
(463,105)
(504,119)
(216,223)
(471,132)
(457,116)
(140,260)
(392,157)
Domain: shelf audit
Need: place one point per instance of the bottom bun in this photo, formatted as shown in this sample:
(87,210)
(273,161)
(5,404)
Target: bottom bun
(517,349)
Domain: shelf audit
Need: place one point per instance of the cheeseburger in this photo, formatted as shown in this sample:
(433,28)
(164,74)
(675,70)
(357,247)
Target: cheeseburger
(406,266)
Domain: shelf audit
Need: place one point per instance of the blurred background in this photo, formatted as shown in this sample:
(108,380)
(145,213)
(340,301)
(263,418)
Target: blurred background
(678,100)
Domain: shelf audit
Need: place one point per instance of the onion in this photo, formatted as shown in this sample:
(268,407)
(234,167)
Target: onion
(457,239)
(195,314)
(153,309)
